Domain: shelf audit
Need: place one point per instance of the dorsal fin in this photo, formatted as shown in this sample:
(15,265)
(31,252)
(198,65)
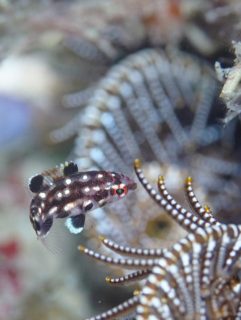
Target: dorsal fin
(36,183)
(70,168)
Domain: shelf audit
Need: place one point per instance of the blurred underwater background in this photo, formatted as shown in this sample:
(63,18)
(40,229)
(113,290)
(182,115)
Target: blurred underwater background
(104,82)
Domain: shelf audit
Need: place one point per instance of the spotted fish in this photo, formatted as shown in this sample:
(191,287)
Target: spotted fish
(65,192)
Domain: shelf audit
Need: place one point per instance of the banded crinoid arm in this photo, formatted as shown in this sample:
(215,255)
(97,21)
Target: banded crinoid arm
(134,276)
(131,251)
(197,278)
(145,264)
(183,217)
(121,309)
(220,279)
(119,262)
(164,295)
(234,254)
(185,284)
(203,212)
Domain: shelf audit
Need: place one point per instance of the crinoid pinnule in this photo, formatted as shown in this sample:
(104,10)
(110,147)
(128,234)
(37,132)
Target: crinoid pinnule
(196,278)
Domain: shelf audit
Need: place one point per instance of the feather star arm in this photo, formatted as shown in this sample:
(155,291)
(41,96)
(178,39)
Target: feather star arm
(131,251)
(134,276)
(197,277)
(119,310)
(121,262)
(203,212)
(183,217)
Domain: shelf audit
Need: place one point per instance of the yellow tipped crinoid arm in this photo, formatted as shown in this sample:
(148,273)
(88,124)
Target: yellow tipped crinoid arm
(137,164)
(131,251)
(120,262)
(116,312)
(202,211)
(126,279)
(186,219)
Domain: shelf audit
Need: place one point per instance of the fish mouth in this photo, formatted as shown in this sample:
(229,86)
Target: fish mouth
(133,185)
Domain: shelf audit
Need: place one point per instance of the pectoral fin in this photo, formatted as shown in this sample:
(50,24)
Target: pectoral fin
(75,224)
(46,226)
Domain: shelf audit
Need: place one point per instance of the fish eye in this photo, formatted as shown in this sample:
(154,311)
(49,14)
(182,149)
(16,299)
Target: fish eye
(36,183)
(121,190)
(70,168)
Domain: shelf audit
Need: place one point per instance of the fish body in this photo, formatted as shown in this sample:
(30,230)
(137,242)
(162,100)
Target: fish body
(70,194)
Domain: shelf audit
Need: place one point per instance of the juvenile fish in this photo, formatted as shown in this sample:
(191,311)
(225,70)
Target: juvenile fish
(67,193)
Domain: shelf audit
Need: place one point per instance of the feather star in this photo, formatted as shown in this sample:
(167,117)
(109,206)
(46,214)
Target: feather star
(196,278)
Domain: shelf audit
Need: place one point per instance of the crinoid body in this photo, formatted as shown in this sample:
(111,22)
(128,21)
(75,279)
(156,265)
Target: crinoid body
(196,278)
(159,106)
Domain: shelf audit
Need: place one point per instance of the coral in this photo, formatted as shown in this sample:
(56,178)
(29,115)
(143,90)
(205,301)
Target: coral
(196,278)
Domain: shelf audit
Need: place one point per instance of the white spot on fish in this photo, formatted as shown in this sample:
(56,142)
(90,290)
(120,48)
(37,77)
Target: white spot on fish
(59,195)
(100,175)
(68,182)
(69,206)
(86,190)
(96,188)
(53,210)
(42,195)
(102,202)
(85,177)
(108,186)
(66,192)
